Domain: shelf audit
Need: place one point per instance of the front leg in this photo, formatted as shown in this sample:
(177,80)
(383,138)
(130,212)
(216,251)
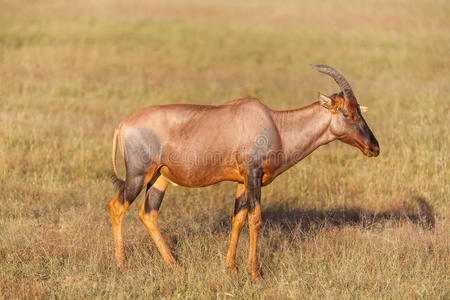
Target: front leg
(239,217)
(253,195)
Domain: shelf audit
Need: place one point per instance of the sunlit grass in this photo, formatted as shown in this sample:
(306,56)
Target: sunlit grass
(71,70)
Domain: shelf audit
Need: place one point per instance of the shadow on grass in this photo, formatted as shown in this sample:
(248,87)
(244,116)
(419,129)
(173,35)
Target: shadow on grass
(308,219)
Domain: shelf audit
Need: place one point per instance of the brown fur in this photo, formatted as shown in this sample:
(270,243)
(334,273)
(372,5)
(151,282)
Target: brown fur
(243,141)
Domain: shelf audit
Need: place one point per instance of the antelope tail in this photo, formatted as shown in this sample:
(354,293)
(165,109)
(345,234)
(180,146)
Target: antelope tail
(118,182)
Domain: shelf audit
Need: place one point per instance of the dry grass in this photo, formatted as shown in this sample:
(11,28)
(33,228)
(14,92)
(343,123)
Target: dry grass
(338,225)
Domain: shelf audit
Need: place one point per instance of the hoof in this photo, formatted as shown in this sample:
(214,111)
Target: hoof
(122,267)
(233,270)
(256,275)
(171,263)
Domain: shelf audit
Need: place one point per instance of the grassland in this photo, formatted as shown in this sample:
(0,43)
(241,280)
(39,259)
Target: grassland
(338,225)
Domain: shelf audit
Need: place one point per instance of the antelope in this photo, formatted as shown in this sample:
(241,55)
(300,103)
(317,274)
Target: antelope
(242,141)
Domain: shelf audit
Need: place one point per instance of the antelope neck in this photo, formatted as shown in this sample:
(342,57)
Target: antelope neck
(303,130)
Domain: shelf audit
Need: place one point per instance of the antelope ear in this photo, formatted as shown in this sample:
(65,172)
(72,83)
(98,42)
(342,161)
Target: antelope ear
(363,109)
(326,101)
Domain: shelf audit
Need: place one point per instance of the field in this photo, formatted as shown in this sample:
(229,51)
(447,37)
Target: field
(338,225)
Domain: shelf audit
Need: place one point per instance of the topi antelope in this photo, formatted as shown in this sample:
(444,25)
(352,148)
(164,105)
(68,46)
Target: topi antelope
(242,141)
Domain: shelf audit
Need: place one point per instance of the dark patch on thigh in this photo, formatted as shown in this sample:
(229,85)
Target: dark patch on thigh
(140,149)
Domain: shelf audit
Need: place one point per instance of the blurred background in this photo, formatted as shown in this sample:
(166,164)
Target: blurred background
(337,225)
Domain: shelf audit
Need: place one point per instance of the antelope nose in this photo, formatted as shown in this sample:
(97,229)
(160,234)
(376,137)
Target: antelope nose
(375,149)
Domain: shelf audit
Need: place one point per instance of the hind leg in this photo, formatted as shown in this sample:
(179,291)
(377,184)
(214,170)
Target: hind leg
(134,183)
(117,210)
(149,215)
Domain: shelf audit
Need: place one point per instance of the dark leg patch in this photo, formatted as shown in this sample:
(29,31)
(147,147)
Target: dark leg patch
(254,183)
(153,199)
(240,203)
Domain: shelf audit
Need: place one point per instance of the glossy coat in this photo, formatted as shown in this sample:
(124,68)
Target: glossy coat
(243,141)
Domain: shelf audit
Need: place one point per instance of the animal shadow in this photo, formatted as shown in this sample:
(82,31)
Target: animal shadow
(308,219)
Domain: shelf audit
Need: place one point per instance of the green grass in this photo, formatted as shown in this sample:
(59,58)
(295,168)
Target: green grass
(334,226)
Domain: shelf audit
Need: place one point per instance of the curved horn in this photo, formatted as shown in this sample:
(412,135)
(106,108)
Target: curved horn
(340,80)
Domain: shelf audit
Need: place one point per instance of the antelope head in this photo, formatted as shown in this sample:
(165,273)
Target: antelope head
(347,123)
